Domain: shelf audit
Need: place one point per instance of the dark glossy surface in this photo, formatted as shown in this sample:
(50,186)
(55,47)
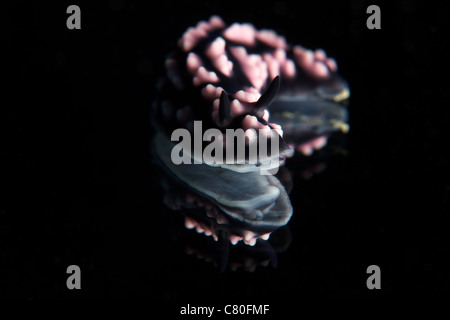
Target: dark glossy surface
(79,187)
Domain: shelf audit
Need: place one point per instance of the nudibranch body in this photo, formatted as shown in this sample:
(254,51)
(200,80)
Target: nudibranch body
(232,76)
(238,77)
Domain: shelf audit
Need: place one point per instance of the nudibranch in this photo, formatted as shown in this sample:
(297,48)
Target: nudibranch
(239,77)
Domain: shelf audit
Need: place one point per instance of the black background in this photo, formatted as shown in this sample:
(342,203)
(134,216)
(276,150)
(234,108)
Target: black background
(79,187)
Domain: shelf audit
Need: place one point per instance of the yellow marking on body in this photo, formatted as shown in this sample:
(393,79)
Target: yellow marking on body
(345,127)
(287,114)
(344,94)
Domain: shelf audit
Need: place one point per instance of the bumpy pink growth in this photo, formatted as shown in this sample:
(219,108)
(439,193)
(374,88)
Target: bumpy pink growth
(280,55)
(270,38)
(248,95)
(277,128)
(216,22)
(251,122)
(204,76)
(273,65)
(331,63)
(277,62)
(253,66)
(320,55)
(252,93)
(236,108)
(308,147)
(241,33)
(216,52)
(224,65)
(193,62)
(288,68)
(305,58)
(314,63)
(319,142)
(216,48)
(234,239)
(190,38)
(210,92)
(266,115)
(194,34)
(319,69)
(189,223)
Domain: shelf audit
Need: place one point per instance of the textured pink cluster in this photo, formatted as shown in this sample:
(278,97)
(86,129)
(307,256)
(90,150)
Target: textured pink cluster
(256,67)
(233,47)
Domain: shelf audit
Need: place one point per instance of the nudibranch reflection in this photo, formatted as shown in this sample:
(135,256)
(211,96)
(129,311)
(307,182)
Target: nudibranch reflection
(253,204)
(236,76)
(214,202)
